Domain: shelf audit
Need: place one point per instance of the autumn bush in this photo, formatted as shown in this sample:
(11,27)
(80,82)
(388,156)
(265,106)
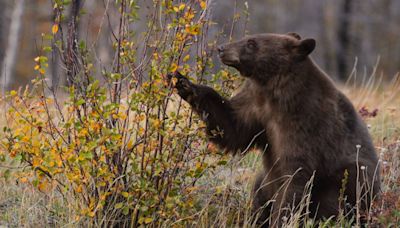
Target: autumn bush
(121,148)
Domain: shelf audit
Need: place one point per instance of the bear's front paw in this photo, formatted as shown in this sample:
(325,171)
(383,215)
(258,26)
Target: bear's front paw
(185,88)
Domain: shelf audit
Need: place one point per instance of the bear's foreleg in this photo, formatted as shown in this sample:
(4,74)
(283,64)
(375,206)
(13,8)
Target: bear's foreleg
(224,127)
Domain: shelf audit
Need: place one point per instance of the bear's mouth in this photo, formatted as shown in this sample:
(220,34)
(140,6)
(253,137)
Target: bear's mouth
(233,62)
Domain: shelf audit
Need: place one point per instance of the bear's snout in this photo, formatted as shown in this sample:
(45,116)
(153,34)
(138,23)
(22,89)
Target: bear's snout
(228,55)
(220,49)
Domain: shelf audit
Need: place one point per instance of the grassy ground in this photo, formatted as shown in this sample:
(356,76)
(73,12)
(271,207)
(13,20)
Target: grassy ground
(228,202)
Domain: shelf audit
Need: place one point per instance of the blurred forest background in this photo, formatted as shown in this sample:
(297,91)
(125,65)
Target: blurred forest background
(348,32)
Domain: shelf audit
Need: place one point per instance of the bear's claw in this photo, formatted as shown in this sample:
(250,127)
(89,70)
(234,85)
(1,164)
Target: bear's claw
(182,84)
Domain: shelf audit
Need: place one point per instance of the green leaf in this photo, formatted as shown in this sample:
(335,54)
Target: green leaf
(7,174)
(18,157)
(87,155)
(125,210)
(125,194)
(47,49)
(148,220)
(116,76)
(118,205)
(222,162)
(80,102)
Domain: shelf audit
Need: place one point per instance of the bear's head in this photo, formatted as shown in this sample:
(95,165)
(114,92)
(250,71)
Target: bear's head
(265,55)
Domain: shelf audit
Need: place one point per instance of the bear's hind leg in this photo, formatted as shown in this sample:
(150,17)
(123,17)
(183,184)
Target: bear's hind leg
(261,205)
(325,202)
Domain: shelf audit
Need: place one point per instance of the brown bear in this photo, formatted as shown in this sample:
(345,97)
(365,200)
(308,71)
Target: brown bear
(307,129)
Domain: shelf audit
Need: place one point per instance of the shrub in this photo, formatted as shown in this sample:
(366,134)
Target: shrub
(124,150)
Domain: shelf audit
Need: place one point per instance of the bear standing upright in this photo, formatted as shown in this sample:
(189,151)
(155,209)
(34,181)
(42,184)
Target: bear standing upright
(291,110)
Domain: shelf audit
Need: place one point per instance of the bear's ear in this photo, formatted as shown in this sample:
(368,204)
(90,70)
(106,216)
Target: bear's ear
(305,47)
(295,35)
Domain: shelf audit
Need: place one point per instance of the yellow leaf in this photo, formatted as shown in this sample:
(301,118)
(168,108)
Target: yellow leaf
(54,29)
(91,214)
(122,116)
(181,7)
(25,139)
(37,67)
(79,189)
(193,30)
(59,162)
(189,15)
(118,205)
(130,144)
(43,186)
(186,58)
(157,123)
(148,220)
(13,92)
(179,37)
(23,179)
(36,143)
(198,165)
(173,67)
(37,59)
(203,5)
(83,132)
(36,162)
(125,194)
(155,56)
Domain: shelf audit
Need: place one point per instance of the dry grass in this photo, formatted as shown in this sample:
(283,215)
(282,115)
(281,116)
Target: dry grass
(225,193)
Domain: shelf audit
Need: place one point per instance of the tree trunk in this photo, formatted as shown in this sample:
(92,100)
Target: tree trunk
(344,39)
(3,7)
(71,53)
(7,69)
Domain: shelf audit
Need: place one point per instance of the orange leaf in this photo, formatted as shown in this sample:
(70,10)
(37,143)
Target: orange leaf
(54,29)
(203,5)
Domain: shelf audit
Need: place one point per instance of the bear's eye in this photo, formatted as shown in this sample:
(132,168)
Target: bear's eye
(251,44)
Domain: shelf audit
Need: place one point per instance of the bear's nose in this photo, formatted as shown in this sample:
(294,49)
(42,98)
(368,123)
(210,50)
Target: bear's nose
(220,49)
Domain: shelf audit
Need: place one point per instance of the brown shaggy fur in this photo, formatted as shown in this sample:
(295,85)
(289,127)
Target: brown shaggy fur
(291,110)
